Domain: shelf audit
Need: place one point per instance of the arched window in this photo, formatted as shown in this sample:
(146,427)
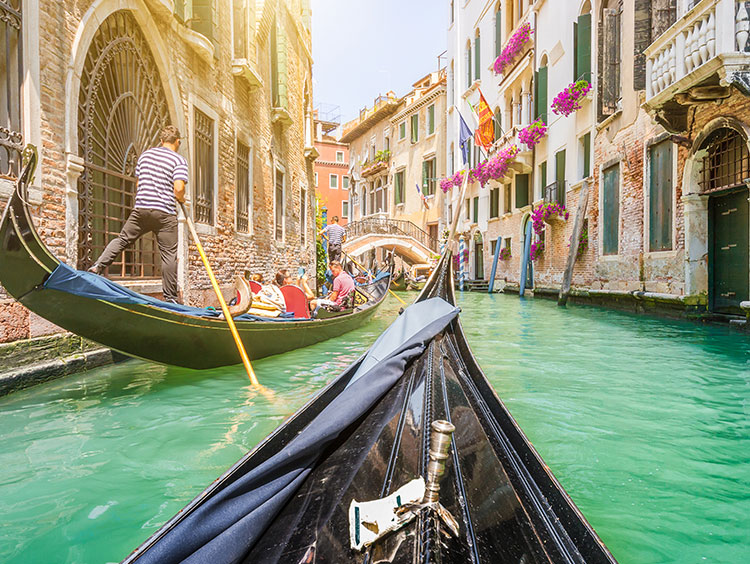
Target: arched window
(477,57)
(727,163)
(582,44)
(498,123)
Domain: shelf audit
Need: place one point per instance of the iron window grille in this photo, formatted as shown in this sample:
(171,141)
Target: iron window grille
(11,137)
(727,162)
(204,168)
(243,188)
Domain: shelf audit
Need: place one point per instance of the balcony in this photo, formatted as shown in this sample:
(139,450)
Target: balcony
(697,60)
(379,164)
(524,158)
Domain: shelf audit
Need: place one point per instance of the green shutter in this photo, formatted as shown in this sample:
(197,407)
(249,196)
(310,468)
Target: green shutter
(587,155)
(282,70)
(476,209)
(560,176)
(610,210)
(468,66)
(543,176)
(498,124)
(425,177)
(498,33)
(431,120)
(522,190)
(494,202)
(179,10)
(477,59)
(583,48)
(541,94)
(202,17)
(660,197)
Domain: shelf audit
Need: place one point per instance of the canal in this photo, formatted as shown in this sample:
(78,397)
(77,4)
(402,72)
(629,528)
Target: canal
(645,422)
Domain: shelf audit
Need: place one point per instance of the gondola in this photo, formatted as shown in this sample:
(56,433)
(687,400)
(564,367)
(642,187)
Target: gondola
(367,471)
(98,309)
(398,282)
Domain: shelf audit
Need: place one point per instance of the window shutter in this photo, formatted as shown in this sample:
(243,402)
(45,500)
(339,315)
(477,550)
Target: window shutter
(425,176)
(560,176)
(541,94)
(239,20)
(583,48)
(522,190)
(498,124)
(611,71)
(202,17)
(179,10)
(476,210)
(611,209)
(281,77)
(660,197)
(468,66)
(498,33)
(477,59)
(587,155)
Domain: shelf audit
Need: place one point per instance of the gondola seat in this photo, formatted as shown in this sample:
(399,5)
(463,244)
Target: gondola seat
(296,301)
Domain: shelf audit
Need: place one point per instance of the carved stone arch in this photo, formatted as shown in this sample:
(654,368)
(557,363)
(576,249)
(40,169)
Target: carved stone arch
(122,107)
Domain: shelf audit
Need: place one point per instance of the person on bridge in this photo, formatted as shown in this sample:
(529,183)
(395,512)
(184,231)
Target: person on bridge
(336,237)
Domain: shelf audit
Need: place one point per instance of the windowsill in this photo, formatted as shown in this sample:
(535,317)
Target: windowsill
(205,229)
(608,120)
(525,208)
(578,185)
(474,86)
(507,214)
(280,115)
(493,219)
(244,236)
(609,258)
(244,69)
(430,135)
(201,44)
(661,254)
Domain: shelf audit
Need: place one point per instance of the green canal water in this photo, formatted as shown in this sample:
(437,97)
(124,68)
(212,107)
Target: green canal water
(645,422)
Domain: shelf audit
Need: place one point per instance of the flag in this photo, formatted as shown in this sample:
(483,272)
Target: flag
(463,138)
(485,133)
(421,195)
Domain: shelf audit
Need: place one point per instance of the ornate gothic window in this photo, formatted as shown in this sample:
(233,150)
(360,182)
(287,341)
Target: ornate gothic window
(11,78)
(121,110)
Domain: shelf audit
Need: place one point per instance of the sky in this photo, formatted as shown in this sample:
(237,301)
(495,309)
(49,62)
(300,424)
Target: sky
(363,48)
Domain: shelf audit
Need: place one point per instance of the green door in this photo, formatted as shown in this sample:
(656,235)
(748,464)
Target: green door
(479,261)
(728,252)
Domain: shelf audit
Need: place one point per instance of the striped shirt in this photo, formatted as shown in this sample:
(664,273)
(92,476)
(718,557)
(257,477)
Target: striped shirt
(157,170)
(335,232)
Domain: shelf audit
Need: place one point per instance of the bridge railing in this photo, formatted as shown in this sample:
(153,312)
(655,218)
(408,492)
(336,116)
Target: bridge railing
(387,226)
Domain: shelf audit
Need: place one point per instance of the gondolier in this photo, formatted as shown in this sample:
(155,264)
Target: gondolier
(161,175)
(336,236)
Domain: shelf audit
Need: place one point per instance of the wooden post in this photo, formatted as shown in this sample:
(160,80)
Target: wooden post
(491,287)
(583,199)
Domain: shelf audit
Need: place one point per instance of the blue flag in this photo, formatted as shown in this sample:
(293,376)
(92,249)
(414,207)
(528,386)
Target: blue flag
(464,137)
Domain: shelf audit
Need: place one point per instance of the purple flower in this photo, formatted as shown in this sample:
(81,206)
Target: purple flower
(513,48)
(568,101)
(533,133)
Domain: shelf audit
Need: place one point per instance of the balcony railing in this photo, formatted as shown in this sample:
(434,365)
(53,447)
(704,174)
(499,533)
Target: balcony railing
(554,194)
(383,225)
(712,29)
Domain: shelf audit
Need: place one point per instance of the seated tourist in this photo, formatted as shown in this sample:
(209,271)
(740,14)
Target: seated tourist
(269,301)
(343,286)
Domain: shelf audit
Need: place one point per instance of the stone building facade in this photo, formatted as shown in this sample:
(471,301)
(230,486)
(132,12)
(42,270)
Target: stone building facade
(332,180)
(101,77)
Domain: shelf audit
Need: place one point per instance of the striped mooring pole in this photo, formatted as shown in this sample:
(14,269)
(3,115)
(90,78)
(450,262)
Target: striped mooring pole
(461,269)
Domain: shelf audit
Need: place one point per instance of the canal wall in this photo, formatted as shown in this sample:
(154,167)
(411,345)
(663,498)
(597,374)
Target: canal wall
(27,362)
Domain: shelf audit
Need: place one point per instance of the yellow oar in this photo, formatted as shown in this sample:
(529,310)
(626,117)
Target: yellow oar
(224,308)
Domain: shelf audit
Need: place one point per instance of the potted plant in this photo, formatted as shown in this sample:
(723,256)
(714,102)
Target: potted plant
(505,254)
(569,100)
(533,133)
(513,48)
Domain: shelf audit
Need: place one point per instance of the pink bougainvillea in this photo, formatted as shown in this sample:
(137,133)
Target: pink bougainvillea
(494,168)
(538,217)
(513,48)
(533,133)
(536,250)
(569,100)
(447,183)
(504,253)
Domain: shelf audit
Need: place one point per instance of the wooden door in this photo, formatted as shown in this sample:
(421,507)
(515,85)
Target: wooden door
(479,261)
(728,252)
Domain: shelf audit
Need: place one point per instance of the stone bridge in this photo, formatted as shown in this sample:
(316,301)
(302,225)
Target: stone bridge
(409,241)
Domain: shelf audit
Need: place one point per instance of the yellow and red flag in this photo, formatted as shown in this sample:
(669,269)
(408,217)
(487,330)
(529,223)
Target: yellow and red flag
(485,133)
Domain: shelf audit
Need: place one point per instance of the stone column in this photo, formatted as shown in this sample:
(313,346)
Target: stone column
(525,105)
(73,170)
(696,244)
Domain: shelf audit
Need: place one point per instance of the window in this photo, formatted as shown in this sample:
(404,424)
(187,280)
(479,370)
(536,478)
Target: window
(468,64)
(522,190)
(494,202)
(279,96)
(398,187)
(402,130)
(543,178)
(431,120)
(345,209)
(540,93)
(279,212)
(316,179)
(204,167)
(660,197)
(610,48)
(610,209)
(387,143)
(468,208)
(415,128)
(452,160)
(239,29)
(198,14)
(428,177)
(477,58)
(498,31)
(559,195)
(345,182)
(507,244)
(303,215)
(11,77)
(584,146)
(243,202)
(475,218)
(506,199)
(334,181)
(582,48)
(339,156)
(498,124)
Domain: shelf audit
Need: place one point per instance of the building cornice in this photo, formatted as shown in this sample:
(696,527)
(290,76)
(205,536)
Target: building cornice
(420,104)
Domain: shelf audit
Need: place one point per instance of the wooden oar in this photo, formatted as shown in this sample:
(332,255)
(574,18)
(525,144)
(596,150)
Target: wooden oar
(368,271)
(224,308)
